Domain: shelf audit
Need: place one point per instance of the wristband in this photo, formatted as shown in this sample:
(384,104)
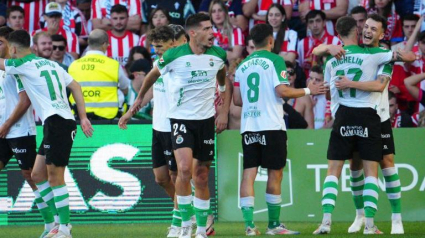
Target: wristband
(221,89)
(307,91)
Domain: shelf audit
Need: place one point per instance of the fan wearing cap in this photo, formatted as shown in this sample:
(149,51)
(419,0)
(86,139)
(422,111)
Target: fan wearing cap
(139,69)
(53,17)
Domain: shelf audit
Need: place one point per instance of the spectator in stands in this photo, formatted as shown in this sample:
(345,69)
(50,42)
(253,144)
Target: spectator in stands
(256,10)
(295,23)
(412,86)
(139,69)
(101,14)
(333,9)
(53,16)
(387,10)
(285,39)
(359,14)
(120,39)
(236,17)
(33,12)
(250,47)
(321,106)
(99,77)
(42,44)
(226,37)
(302,105)
(15,17)
(137,53)
(158,17)
(400,118)
(59,51)
(84,7)
(316,24)
(179,9)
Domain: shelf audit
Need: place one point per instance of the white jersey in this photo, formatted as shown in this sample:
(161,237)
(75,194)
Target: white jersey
(192,81)
(258,76)
(160,120)
(9,98)
(45,82)
(384,105)
(359,64)
(319,110)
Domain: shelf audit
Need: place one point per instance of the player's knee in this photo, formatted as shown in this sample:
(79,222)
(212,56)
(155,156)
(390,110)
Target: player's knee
(388,161)
(162,181)
(37,177)
(201,179)
(27,175)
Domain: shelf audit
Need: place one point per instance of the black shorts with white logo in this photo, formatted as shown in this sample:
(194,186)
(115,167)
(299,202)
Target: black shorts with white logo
(355,129)
(58,137)
(195,134)
(264,148)
(388,146)
(162,150)
(24,149)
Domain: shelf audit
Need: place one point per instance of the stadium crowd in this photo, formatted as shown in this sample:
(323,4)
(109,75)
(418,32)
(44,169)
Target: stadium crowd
(60,31)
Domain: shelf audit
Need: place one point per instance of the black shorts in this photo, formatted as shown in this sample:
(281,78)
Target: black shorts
(24,149)
(195,134)
(355,129)
(58,137)
(264,148)
(388,146)
(162,150)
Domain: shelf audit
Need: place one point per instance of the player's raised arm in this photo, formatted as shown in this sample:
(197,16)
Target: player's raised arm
(79,100)
(335,50)
(23,104)
(404,56)
(411,84)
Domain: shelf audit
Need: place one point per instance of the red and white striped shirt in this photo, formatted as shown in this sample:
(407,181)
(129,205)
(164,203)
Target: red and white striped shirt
(263,6)
(325,5)
(120,47)
(305,48)
(71,17)
(71,39)
(102,8)
(290,42)
(418,67)
(222,40)
(142,41)
(33,12)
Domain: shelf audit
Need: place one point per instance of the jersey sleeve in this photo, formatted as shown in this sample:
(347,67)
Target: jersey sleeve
(14,66)
(280,76)
(135,8)
(327,73)
(19,85)
(386,69)
(165,62)
(66,77)
(237,79)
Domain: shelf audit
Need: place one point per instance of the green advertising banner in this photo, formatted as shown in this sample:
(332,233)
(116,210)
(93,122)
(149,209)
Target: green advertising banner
(304,175)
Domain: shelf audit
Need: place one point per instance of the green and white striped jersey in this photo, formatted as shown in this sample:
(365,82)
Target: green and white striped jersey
(44,82)
(192,81)
(258,76)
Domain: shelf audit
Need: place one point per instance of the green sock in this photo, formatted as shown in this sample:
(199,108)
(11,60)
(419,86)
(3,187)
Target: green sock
(47,194)
(177,219)
(274,214)
(201,217)
(44,209)
(393,188)
(62,203)
(186,211)
(248,216)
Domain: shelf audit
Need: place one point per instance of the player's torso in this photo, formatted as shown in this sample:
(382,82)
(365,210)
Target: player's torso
(160,120)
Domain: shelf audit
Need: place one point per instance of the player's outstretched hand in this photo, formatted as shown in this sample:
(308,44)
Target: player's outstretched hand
(337,51)
(221,122)
(122,123)
(342,83)
(317,88)
(86,127)
(4,130)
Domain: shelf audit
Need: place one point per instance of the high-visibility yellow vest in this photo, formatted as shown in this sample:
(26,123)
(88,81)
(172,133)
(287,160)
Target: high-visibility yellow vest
(98,76)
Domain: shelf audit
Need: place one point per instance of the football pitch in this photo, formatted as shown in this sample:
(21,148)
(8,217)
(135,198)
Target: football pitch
(223,229)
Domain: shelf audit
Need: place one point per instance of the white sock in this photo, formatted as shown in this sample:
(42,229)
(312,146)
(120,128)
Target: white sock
(360,212)
(396,217)
(64,228)
(369,222)
(201,230)
(49,226)
(327,218)
(57,221)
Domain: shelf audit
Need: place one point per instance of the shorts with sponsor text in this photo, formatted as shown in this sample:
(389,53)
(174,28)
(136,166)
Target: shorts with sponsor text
(355,129)
(24,149)
(58,137)
(195,134)
(267,149)
(388,146)
(162,150)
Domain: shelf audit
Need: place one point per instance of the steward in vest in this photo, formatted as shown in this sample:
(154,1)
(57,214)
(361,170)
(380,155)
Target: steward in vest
(99,77)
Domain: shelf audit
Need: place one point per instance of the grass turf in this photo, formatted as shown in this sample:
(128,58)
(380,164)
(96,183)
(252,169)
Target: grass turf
(223,229)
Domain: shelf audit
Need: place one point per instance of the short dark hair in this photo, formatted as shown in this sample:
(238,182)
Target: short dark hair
(162,33)
(259,34)
(289,64)
(20,38)
(344,25)
(196,19)
(313,13)
(178,31)
(380,19)
(5,31)
(357,10)
(59,38)
(409,17)
(421,36)
(317,69)
(14,9)
(391,95)
(118,8)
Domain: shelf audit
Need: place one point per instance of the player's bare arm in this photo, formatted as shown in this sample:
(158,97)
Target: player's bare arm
(371,86)
(223,114)
(404,56)
(313,89)
(411,84)
(23,104)
(79,100)
(335,50)
(122,123)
